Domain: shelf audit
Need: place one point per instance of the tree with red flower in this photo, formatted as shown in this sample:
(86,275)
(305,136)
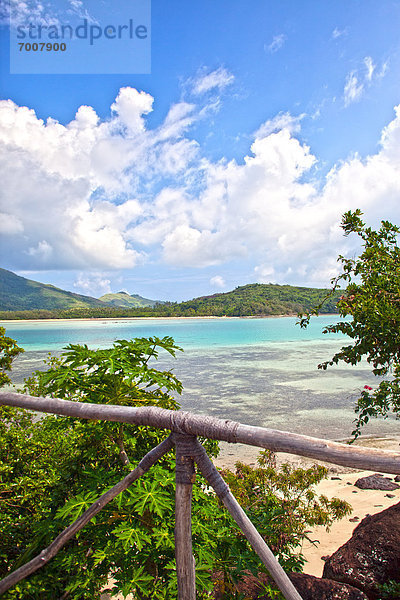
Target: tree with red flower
(372,299)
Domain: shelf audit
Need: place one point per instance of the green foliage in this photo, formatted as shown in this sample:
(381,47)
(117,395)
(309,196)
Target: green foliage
(282,504)
(390,591)
(126,300)
(372,299)
(114,375)
(256,299)
(9,350)
(19,293)
(53,468)
(253,300)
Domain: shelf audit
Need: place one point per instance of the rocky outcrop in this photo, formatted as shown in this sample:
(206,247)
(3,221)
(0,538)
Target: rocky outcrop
(372,555)
(376,482)
(309,588)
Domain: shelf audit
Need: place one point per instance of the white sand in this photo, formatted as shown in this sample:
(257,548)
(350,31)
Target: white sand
(363,502)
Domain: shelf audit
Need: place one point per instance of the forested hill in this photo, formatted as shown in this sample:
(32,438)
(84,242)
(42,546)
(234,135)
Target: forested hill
(19,293)
(126,300)
(256,299)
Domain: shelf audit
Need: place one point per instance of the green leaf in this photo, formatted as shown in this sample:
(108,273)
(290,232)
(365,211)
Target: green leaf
(150,496)
(131,537)
(76,506)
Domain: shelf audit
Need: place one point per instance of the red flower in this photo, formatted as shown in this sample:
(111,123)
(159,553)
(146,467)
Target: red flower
(367,387)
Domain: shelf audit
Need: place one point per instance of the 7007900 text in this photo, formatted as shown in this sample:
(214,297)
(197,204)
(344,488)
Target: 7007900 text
(42,47)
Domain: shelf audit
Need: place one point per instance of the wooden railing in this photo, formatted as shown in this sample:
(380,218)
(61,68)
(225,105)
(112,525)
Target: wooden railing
(185,427)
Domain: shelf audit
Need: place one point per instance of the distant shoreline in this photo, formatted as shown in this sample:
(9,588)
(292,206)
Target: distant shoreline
(113,319)
(205,317)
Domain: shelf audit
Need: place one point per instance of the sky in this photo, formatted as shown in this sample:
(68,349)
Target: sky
(230,161)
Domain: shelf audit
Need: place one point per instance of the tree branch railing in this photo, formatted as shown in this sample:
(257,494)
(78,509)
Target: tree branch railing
(185,428)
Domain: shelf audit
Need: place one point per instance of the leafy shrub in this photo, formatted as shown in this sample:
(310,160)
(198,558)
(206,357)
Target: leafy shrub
(53,468)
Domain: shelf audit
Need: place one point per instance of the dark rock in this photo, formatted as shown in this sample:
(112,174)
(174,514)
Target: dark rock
(354,519)
(376,482)
(313,588)
(397,478)
(325,557)
(372,555)
(309,588)
(336,478)
(390,496)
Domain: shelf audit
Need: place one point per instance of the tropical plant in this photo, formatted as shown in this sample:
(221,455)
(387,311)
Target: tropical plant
(282,503)
(9,350)
(55,467)
(372,300)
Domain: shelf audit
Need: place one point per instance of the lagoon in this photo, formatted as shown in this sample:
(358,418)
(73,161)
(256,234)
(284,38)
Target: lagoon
(260,371)
(203,332)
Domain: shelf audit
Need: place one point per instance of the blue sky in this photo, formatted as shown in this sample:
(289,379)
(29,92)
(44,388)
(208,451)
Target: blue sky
(231,162)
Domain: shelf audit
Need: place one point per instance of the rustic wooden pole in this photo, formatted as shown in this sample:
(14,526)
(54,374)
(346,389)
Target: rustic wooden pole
(184,479)
(223,492)
(215,429)
(48,553)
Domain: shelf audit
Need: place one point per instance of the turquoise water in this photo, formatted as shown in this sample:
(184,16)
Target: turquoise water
(188,333)
(256,371)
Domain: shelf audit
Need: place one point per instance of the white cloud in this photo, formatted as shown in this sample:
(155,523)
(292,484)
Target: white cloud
(337,33)
(353,89)
(78,8)
(23,12)
(37,12)
(129,108)
(73,186)
(277,43)
(215,80)
(369,64)
(218,281)
(10,224)
(179,118)
(279,122)
(43,251)
(263,208)
(102,195)
(265,273)
(92,284)
(357,82)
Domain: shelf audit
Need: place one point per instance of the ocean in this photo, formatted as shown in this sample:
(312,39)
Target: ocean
(259,371)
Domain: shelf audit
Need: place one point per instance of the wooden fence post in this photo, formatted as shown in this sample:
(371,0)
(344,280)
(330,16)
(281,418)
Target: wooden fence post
(258,544)
(184,479)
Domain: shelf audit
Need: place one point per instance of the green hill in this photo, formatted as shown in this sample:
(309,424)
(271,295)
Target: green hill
(255,299)
(19,293)
(126,300)
(22,298)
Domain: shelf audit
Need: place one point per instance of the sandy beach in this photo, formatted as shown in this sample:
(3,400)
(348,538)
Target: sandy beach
(80,319)
(204,317)
(339,483)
